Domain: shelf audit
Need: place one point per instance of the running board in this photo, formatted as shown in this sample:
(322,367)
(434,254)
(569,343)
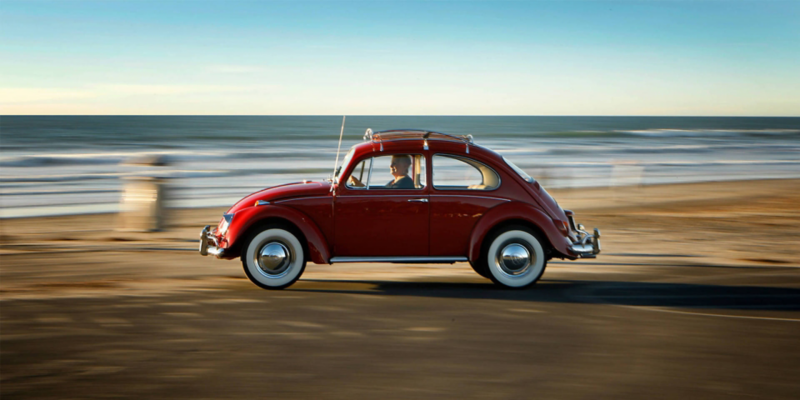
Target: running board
(415,259)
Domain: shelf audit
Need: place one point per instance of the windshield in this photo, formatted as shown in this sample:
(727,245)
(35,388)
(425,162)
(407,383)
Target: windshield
(518,170)
(345,162)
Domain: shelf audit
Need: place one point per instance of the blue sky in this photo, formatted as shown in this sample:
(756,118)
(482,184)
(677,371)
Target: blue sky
(409,58)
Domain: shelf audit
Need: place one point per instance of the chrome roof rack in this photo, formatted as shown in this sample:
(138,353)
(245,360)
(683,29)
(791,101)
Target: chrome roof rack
(415,134)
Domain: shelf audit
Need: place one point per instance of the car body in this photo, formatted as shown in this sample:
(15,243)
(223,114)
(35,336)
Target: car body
(467,203)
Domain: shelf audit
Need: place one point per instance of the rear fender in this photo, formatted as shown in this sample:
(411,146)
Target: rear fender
(515,211)
(318,248)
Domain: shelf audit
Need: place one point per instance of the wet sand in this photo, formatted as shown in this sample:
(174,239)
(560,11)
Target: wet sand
(696,294)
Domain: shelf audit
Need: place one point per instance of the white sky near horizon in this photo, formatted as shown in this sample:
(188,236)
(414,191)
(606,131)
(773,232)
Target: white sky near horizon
(400,58)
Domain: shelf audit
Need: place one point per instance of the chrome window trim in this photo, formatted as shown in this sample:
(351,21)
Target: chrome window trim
(433,171)
(468,195)
(369,176)
(335,178)
(432,259)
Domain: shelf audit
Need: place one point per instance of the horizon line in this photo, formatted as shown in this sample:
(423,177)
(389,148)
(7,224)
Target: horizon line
(401,115)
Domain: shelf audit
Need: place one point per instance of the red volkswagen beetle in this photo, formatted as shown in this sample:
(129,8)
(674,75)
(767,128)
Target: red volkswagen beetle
(404,196)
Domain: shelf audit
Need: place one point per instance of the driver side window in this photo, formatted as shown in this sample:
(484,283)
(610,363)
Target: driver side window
(398,171)
(358,178)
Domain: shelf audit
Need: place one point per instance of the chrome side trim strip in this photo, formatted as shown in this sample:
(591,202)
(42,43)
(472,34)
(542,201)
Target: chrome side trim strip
(302,198)
(430,259)
(466,195)
(384,195)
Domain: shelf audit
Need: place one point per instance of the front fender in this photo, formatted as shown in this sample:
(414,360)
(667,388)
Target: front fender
(246,218)
(516,211)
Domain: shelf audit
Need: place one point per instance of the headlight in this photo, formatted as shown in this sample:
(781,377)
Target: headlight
(225,223)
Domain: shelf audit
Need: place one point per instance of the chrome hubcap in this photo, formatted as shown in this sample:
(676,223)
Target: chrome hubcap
(273,258)
(514,259)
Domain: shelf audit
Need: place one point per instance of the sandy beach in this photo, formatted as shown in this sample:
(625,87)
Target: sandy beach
(697,292)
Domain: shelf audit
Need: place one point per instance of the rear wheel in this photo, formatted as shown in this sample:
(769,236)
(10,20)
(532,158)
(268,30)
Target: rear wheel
(480,267)
(274,258)
(515,258)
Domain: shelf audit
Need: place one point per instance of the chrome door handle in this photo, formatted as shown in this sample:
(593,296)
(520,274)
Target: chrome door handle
(418,200)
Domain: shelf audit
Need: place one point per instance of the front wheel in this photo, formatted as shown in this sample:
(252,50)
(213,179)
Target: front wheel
(515,258)
(274,259)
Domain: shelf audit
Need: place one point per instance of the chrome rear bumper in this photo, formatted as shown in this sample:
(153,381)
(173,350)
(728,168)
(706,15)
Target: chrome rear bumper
(209,244)
(587,244)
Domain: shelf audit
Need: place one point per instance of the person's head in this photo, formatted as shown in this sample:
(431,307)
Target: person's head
(400,164)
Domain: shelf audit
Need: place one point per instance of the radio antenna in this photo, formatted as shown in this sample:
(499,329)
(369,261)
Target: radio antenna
(336,164)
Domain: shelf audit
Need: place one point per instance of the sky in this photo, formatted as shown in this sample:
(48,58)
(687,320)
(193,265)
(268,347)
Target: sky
(738,58)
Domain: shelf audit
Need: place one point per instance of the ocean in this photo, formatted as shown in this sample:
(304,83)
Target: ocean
(55,165)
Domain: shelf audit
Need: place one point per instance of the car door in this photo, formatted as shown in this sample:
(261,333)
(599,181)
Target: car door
(463,190)
(372,219)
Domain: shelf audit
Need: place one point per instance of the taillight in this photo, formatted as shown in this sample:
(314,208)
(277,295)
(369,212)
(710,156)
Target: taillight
(562,226)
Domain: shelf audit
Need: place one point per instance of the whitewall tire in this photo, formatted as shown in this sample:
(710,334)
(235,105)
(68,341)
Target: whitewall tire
(274,259)
(515,259)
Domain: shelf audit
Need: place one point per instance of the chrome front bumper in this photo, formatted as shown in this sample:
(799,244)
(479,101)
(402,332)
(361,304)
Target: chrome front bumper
(587,245)
(209,244)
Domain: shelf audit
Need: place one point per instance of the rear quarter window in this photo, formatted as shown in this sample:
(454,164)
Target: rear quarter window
(452,172)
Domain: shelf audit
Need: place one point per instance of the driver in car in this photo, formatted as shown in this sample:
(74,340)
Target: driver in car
(399,169)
